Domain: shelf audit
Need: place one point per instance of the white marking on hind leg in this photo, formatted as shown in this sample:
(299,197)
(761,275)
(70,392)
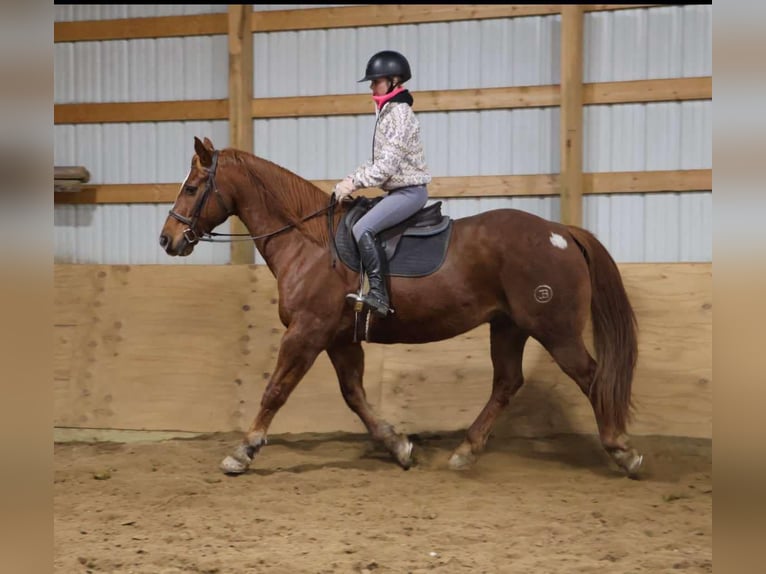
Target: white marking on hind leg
(558,241)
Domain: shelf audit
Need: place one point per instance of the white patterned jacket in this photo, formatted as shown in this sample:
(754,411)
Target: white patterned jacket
(398,159)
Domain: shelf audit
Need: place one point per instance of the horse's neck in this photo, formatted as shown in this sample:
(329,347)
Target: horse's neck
(257,211)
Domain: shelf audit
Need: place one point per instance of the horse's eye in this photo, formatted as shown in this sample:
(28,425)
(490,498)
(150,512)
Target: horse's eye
(190,189)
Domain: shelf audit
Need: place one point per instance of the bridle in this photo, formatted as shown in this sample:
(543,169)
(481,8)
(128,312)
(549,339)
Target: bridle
(192,236)
(190,233)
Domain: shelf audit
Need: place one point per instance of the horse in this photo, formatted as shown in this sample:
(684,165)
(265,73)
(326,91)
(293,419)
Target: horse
(524,275)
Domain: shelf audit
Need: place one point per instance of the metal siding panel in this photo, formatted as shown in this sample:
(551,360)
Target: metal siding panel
(262,61)
(665,42)
(63,13)
(342,147)
(628,137)
(464,53)
(63,73)
(597,138)
(495,70)
(463,141)
(629,45)
(283,65)
(134,70)
(535,149)
(434,129)
(87,12)
(116,140)
(142,58)
(597,47)
(596,215)
(312,63)
(663,136)
(64,238)
(696,139)
(404,39)
(114,73)
(553,65)
(112,12)
(86,72)
(89,147)
(658,42)
(697,41)
(696,225)
(205,8)
(311,148)
(495,146)
(142,10)
(433,53)
(662,229)
(169,68)
(143,153)
(64,152)
(343,69)
(176,147)
(282,144)
(532,50)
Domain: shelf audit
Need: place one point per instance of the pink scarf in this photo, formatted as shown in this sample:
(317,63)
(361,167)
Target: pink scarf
(381,100)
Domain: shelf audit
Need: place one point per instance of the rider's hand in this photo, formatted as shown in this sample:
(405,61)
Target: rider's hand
(344,188)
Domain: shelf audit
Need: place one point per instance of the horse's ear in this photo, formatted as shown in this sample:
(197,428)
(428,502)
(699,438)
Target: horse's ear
(204,154)
(209,145)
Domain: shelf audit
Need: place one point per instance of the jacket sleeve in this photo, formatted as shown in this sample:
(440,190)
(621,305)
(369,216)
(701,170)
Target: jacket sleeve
(395,129)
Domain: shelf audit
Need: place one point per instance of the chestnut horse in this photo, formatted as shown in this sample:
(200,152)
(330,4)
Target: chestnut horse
(524,275)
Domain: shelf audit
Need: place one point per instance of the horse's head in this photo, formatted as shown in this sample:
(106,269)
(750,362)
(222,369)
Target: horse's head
(193,213)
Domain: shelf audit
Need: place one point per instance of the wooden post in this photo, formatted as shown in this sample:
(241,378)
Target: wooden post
(240,104)
(571,113)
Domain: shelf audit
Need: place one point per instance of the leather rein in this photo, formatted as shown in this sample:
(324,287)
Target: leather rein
(193,236)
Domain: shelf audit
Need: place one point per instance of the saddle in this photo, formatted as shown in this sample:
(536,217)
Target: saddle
(414,248)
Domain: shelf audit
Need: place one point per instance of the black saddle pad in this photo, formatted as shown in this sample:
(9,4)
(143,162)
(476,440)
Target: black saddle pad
(415,248)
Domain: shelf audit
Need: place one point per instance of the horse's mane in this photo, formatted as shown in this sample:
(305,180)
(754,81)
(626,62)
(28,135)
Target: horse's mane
(287,194)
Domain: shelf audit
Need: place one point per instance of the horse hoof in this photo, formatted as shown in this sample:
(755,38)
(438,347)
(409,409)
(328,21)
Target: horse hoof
(461,461)
(231,465)
(403,453)
(629,460)
(635,465)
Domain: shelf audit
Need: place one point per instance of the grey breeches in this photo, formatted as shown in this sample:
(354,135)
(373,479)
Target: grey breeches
(394,208)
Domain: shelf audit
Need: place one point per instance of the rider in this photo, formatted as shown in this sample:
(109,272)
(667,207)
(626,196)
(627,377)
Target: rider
(397,167)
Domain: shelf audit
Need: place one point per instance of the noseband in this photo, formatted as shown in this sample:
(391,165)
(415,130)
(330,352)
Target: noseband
(190,233)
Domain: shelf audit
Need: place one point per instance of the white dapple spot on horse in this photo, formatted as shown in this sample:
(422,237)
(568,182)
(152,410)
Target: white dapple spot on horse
(558,241)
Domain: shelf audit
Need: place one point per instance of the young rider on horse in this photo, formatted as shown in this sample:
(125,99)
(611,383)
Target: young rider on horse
(397,167)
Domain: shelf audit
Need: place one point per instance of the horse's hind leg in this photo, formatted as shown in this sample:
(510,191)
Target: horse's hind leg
(573,358)
(506,349)
(348,361)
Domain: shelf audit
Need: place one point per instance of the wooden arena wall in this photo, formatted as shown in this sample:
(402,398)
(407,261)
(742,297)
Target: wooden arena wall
(190,348)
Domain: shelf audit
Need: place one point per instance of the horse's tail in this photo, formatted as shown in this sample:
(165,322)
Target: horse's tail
(614,334)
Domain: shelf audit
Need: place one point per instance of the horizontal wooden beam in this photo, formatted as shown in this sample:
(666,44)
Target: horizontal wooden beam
(648,181)
(390,15)
(640,91)
(678,89)
(305,19)
(463,186)
(118,112)
(425,101)
(136,28)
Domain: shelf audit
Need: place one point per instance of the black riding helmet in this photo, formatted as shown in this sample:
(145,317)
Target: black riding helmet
(387,64)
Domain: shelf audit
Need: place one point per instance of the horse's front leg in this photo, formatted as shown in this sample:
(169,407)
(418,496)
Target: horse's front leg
(297,353)
(348,360)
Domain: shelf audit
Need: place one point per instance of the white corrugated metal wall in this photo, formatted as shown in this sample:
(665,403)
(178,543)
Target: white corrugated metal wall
(636,44)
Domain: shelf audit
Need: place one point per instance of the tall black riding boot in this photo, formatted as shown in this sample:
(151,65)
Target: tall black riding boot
(373,263)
